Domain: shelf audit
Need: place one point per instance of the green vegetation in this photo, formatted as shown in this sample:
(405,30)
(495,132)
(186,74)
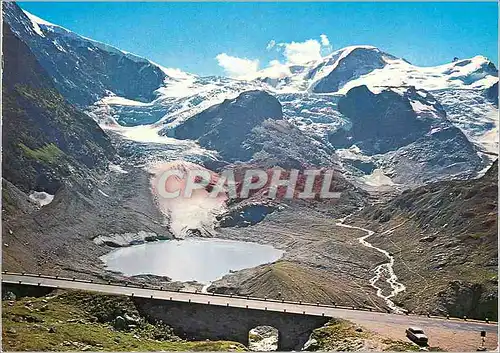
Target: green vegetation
(72,321)
(49,153)
(338,335)
(50,101)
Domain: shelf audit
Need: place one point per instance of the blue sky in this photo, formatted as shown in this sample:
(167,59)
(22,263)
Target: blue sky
(191,36)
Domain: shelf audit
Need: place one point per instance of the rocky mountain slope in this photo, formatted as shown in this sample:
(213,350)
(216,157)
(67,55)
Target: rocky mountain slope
(84,70)
(251,127)
(444,239)
(226,127)
(411,125)
(51,147)
(404,130)
(386,121)
(322,262)
(45,139)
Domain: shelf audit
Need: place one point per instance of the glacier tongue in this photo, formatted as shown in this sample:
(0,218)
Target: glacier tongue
(472,113)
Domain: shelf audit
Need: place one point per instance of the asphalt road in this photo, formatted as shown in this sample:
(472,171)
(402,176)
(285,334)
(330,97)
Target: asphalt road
(358,316)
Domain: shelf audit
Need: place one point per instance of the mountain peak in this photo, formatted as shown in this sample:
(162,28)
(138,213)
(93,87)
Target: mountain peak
(347,50)
(40,25)
(39,21)
(347,64)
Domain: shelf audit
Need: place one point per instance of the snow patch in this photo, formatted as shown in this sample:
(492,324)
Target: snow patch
(196,212)
(115,100)
(59,47)
(35,21)
(472,75)
(117,168)
(424,109)
(352,153)
(102,193)
(435,129)
(474,115)
(126,239)
(149,134)
(41,197)
(377,178)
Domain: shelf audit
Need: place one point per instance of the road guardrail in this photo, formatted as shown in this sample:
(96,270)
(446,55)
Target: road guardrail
(198,293)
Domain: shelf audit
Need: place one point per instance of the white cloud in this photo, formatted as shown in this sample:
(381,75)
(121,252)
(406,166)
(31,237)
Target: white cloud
(297,53)
(271,44)
(294,53)
(324,40)
(275,70)
(238,67)
(326,46)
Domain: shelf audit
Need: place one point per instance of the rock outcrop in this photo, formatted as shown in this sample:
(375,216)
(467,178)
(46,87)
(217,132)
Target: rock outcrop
(386,121)
(226,127)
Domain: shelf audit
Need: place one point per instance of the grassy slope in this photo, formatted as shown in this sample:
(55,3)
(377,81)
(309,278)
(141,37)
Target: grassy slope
(81,321)
(293,281)
(342,335)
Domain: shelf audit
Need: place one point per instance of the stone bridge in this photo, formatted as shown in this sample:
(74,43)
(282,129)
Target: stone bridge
(226,317)
(200,321)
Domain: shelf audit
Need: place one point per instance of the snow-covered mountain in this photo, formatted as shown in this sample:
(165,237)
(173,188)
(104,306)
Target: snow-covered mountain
(84,70)
(428,112)
(367,65)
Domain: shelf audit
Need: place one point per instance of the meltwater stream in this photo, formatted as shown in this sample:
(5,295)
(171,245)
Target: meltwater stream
(384,270)
(192,259)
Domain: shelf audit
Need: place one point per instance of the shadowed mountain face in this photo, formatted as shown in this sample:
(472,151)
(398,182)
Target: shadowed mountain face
(45,139)
(358,62)
(445,243)
(84,70)
(226,127)
(385,121)
(492,94)
(406,132)
(393,128)
(251,127)
(51,146)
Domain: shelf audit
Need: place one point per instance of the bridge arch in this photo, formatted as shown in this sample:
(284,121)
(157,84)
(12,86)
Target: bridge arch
(263,338)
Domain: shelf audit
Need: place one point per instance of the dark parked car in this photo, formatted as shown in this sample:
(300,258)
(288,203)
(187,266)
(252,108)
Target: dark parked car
(417,335)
